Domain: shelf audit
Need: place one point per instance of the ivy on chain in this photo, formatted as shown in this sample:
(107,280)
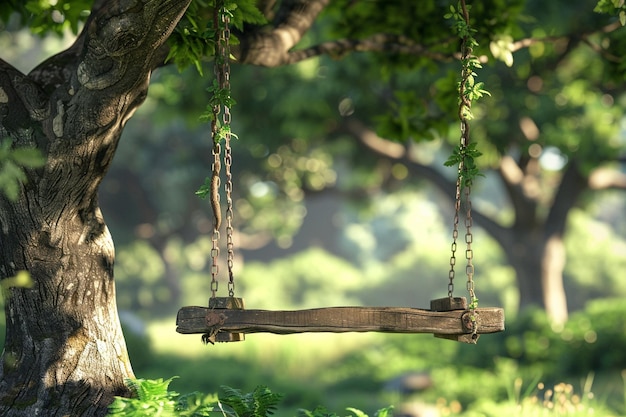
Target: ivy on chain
(220,97)
(467,156)
(464,154)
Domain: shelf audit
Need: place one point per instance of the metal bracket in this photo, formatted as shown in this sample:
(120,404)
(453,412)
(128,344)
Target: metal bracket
(469,319)
(215,319)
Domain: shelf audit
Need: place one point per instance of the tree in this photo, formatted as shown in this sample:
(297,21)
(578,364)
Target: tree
(64,349)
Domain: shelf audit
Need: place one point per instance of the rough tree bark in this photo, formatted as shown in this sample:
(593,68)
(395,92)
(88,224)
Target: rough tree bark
(65,353)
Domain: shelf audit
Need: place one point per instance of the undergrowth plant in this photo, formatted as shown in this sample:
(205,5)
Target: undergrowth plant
(153,398)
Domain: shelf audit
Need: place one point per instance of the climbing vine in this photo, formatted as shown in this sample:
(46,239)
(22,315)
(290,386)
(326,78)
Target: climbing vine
(469,90)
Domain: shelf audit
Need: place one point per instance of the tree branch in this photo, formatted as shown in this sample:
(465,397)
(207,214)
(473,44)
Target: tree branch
(514,179)
(389,44)
(606,178)
(585,37)
(270,49)
(573,183)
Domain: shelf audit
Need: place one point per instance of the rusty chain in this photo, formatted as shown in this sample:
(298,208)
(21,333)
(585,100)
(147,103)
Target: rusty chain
(463,199)
(228,159)
(222,75)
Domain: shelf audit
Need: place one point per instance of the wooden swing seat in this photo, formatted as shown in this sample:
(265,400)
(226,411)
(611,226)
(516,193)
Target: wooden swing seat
(226,320)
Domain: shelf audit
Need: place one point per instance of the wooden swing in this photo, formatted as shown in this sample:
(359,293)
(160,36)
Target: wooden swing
(226,320)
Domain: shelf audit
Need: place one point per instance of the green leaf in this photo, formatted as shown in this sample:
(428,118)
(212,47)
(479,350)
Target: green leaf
(11,176)
(205,189)
(385,412)
(21,279)
(356,412)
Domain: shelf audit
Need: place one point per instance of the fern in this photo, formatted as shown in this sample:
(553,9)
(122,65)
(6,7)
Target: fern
(151,397)
(323,412)
(259,403)
(197,404)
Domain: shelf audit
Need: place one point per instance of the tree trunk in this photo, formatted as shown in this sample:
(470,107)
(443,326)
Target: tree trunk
(525,256)
(552,266)
(538,265)
(537,250)
(65,353)
(64,348)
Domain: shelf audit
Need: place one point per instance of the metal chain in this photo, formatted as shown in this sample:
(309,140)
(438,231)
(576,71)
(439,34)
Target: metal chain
(464,103)
(229,219)
(216,165)
(469,252)
(222,74)
(228,158)
(217,216)
(455,235)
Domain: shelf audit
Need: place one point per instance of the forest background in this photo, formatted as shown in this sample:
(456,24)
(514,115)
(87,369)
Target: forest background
(322,219)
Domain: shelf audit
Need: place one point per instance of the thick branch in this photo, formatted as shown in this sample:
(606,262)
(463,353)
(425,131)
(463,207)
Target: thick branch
(273,48)
(389,44)
(270,49)
(573,183)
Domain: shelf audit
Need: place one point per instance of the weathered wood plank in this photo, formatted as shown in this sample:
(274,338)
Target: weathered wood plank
(337,320)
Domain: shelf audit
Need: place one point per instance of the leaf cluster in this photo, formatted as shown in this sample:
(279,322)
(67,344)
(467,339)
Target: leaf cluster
(460,26)
(152,397)
(44,17)
(260,402)
(469,90)
(465,158)
(193,40)
(220,97)
(612,7)
(13,162)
